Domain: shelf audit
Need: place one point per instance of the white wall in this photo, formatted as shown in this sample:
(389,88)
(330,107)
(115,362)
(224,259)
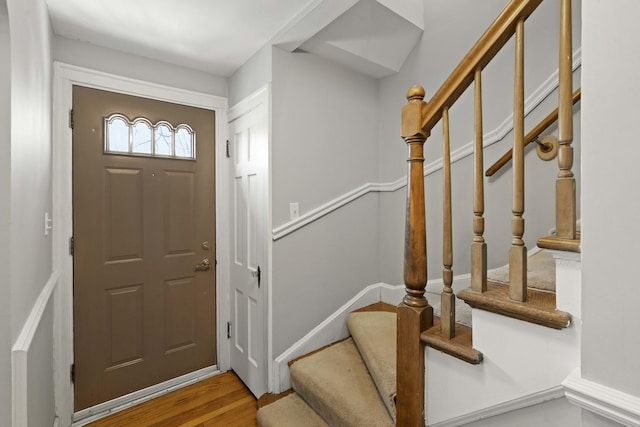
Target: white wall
(124,64)
(451,28)
(610,205)
(324,143)
(30,177)
(5,191)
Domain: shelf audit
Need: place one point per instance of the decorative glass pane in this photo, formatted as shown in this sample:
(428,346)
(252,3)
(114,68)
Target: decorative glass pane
(118,135)
(142,137)
(163,140)
(184,142)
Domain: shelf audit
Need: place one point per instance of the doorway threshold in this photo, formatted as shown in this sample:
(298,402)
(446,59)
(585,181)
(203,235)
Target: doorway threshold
(89,415)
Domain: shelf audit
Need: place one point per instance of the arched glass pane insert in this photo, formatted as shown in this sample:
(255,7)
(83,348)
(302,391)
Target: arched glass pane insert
(163,136)
(117,135)
(141,137)
(184,142)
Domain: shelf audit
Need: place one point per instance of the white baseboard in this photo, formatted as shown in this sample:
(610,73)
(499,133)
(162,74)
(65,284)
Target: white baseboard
(20,354)
(503,408)
(89,415)
(333,329)
(602,400)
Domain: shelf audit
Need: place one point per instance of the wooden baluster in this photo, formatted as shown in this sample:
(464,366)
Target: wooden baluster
(414,313)
(566,183)
(478,247)
(448,299)
(518,251)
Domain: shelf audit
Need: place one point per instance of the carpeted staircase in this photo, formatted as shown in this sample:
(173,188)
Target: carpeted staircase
(351,383)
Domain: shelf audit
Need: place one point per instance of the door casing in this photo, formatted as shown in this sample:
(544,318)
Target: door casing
(65,76)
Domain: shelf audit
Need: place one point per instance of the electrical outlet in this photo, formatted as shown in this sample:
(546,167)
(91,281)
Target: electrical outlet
(294,211)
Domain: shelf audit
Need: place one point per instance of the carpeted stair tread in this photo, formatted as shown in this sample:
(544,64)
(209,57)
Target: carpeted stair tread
(374,333)
(336,384)
(541,272)
(290,411)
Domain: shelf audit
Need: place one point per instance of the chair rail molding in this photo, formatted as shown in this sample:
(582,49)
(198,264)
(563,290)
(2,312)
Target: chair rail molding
(490,138)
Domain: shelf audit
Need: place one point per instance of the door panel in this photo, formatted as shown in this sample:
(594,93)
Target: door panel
(248,244)
(142,313)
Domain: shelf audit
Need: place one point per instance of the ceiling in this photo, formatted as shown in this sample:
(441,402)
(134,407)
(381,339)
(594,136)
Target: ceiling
(216,36)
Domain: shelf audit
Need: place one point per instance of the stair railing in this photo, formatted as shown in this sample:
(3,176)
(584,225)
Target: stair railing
(415,315)
(532,136)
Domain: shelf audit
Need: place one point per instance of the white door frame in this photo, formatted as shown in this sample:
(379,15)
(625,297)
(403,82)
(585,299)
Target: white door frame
(65,76)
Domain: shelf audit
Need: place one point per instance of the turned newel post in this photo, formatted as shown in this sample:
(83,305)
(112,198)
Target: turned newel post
(414,313)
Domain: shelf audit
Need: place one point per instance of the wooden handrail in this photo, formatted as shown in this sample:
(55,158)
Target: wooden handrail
(489,44)
(531,136)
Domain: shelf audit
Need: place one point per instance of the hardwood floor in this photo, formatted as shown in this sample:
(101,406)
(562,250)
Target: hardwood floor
(219,401)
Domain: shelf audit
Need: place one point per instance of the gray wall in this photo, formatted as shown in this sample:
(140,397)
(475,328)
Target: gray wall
(115,62)
(30,155)
(553,413)
(610,202)
(451,28)
(323,145)
(253,75)
(30,190)
(5,191)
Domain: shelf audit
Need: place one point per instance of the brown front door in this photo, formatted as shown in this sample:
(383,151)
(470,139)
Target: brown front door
(143,219)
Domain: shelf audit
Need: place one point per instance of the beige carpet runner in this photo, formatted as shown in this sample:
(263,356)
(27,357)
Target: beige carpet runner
(335,387)
(353,382)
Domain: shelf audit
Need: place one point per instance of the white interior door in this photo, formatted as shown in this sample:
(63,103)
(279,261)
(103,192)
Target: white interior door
(249,238)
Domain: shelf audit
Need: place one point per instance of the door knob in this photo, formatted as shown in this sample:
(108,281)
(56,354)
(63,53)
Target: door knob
(204,265)
(257,274)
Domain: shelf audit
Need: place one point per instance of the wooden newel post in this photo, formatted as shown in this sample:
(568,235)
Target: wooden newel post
(414,313)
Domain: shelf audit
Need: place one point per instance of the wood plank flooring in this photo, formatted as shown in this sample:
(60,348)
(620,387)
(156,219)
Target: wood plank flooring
(222,400)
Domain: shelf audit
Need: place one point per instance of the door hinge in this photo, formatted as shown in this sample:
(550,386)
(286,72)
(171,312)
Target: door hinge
(71,118)
(228,330)
(71,246)
(228,149)
(72,373)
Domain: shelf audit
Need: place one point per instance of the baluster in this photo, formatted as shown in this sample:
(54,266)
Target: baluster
(478,247)
(415,315)
(566,183)
(518,252)
(448,299)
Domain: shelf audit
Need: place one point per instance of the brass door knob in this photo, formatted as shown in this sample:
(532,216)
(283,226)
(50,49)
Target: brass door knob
(204,265)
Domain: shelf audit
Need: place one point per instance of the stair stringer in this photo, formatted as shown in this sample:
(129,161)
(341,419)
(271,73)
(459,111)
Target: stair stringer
(524,364)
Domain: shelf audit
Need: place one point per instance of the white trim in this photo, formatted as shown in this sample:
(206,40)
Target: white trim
(248,104)
(490,138)
(503,408)
(608,402)
(20,354)
(121,403)
(65,76)
(333,329)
